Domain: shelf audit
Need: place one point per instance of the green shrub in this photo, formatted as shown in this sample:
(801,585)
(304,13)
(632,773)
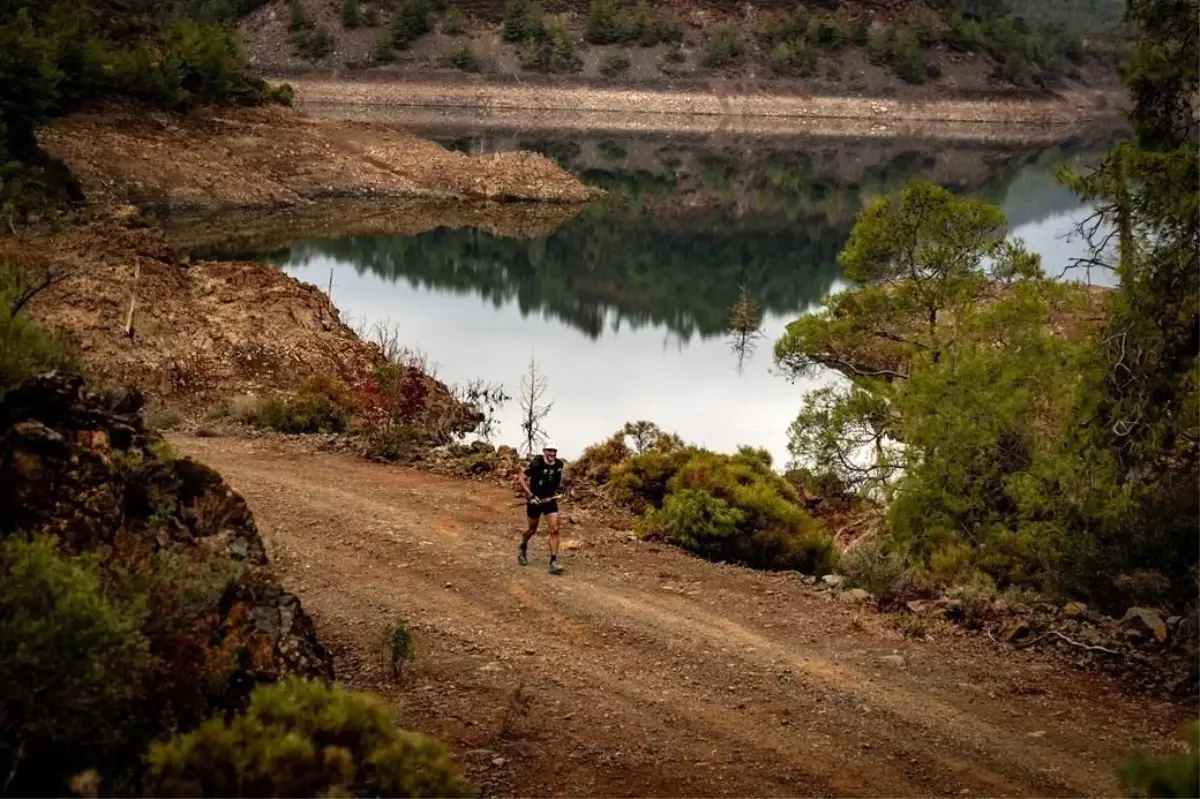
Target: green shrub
(640,483)
(963,35)
(794,58)
(603,26)
(454,24)
(776,27)
(924,32)
(1165,776)
(554,51)
(1017,70)
(304,738)
(301,415)
(299,20)
(530,54)
(462,57)
(410,22)
(397,644)
(724,507)
(562,57)
(383,52)
(283,94)
(827,33)
(26,349)
(615,65)
(69,668)
(667,28)
(879,45)
(724,47)
(522,21)
(314,44)
(370,15)
(907,57)
(321,405)
(696,520)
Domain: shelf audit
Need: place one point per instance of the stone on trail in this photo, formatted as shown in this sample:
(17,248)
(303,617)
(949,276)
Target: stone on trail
(1075,610)
(833,580)
(896,661)
(1015,631)
(1144,621)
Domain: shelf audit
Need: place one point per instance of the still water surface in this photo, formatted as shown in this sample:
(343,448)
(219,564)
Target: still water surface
(625,307)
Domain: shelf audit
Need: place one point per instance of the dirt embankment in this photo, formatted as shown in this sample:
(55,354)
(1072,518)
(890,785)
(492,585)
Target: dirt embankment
(228,158)
(142,311)
(200,331)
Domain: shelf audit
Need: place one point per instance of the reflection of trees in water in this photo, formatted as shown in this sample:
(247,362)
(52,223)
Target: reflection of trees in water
(612,265)
(683,231)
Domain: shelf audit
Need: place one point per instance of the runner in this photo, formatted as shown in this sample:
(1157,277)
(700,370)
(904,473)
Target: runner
(541,482)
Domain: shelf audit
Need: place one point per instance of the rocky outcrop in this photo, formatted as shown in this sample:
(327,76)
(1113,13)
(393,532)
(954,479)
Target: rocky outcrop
(82,467)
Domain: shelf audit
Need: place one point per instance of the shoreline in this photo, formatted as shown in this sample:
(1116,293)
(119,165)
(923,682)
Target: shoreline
(630,110)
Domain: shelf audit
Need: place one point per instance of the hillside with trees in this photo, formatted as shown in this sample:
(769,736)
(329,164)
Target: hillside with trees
(836,47)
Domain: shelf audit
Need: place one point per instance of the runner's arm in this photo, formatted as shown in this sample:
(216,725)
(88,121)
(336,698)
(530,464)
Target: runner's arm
(525,487)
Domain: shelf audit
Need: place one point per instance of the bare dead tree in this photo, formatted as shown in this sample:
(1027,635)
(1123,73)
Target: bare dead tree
(534,407)
(385,335)
(27,281)
(137,272)
(487,399)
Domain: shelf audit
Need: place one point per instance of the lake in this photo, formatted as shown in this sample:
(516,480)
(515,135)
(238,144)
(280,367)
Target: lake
(626,306)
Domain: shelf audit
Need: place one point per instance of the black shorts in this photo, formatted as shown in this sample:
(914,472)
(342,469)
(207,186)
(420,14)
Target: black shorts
(534,511)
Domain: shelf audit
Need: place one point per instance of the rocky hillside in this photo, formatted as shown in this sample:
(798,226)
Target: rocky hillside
(139,598)
(869,48)
(82,467)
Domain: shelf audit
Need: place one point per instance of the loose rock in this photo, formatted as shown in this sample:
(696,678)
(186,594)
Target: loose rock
(856,595)
(1144,622)
(1015,631)
(1075,610)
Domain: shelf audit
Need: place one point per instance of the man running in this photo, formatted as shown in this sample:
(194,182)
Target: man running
(540,482)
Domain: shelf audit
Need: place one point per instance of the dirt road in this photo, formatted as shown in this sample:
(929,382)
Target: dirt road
(645,672)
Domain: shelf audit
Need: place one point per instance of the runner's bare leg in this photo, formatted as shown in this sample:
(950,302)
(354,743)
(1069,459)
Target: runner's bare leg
(552,533)
(530,531)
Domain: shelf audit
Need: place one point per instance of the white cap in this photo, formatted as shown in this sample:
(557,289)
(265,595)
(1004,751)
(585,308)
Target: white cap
(549,444)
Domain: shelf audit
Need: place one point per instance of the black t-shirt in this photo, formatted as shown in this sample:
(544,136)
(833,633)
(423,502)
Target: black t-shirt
(544,479)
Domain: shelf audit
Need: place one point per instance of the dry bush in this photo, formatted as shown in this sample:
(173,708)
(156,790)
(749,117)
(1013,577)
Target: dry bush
(243,408)
(598,461)
(873,566)
(385,335)
(161,417)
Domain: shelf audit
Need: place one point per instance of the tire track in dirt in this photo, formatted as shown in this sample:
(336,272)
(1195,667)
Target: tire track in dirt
(644,671)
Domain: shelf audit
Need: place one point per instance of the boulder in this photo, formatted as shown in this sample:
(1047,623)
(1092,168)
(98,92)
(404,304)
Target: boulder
(1145,623)
(855,595)
(1016,631)
(833,580)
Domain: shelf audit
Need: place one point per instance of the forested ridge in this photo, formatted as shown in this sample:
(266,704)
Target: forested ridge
(58,56)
